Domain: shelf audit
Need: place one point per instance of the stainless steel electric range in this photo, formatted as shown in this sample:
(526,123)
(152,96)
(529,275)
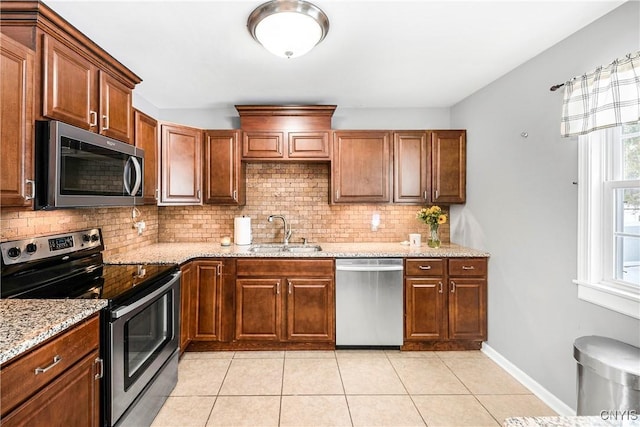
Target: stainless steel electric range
(139,327)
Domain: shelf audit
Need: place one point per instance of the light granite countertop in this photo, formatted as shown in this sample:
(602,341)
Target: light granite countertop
(183,252)
(581,421)
(27,323)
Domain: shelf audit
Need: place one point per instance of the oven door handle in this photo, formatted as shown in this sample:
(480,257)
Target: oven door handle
(147,299)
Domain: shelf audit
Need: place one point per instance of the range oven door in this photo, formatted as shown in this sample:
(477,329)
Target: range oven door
(142,337)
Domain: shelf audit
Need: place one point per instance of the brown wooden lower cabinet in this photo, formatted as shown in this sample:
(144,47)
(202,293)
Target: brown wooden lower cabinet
(445,303)
(186,284)
(66,394)
(207,296)
(285,301)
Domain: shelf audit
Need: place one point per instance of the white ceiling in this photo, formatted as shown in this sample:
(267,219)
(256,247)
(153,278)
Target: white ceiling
(377,54)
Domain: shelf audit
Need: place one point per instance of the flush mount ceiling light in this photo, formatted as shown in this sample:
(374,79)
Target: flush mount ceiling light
(288,28)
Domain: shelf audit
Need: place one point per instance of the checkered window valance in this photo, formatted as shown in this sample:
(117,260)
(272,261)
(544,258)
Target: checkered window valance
(610,96)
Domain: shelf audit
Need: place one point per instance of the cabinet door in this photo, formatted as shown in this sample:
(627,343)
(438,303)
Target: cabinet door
(146,138)
(223,170)
(360,167)
(448,166)
(258,309)
(73,399)
(16,124)
(310,308)
(410,167)
(181,165)
(115,109)
(186,287)
(69,80)
(263,145)
(425,317)
(206,316)
(309,145)
(467,309)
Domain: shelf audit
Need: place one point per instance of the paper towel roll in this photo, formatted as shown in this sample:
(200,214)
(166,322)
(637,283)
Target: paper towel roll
(242,230)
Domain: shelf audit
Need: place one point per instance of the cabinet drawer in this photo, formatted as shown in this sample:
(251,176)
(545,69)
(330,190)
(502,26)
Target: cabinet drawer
(424,267)
(471,267)
(286,267)
(18,379)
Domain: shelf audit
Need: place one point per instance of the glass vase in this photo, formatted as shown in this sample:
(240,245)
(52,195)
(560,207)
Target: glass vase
(434,238)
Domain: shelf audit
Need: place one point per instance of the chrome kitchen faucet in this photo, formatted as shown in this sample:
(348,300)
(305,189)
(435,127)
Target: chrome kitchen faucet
(287,229)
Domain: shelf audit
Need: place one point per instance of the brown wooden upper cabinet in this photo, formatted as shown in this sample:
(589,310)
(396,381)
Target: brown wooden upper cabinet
(146,137)
(224,172)
(448,166)
(16,124)
(281,132)
(429,167)
(78,93)
(181,165)
(360,171)
(77,82)
(411,160)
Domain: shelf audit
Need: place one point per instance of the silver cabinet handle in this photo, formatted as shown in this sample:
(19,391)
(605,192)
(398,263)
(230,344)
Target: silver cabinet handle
(278,288)
(453,287)
(219,269)
(424,267)
(100,364)
(337,194)
(105,122)
(235,194)
(93,118)
(437,194)
(157,194)
(290,287)
(32,195)
(468,267)
(439,287)
(56,360)
(199,194)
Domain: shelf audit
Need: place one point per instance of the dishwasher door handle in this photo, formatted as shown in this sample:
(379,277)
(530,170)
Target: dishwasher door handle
(372,268)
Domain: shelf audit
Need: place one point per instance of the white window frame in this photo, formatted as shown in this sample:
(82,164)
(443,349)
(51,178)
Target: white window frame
(596,222)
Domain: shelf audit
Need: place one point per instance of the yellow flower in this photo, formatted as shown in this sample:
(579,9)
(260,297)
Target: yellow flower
(442,219)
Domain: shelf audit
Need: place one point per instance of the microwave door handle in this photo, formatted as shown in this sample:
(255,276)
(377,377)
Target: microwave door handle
(125,175)
(138,169)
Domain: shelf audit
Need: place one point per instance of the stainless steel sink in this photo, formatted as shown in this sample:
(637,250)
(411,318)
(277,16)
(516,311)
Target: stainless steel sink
(275,248)
(303,248)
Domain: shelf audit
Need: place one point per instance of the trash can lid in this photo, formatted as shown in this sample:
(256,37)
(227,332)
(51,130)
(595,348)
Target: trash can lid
(612,359)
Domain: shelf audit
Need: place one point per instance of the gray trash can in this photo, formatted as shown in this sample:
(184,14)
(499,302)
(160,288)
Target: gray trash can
(608,375)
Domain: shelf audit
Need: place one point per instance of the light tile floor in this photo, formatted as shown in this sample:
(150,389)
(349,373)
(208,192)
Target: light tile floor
(344,388)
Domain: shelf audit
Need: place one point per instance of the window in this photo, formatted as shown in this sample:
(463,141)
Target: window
(609,218)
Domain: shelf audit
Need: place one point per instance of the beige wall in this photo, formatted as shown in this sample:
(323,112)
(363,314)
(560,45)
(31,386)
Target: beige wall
(299,191)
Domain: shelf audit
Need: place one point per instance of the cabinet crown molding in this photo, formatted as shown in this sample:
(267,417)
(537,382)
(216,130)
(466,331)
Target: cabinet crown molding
(285,117)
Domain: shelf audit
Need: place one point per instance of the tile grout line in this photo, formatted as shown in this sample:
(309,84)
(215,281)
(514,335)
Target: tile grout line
(407,390)
(344,390)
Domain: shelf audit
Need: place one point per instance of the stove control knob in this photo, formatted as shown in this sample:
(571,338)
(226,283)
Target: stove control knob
(86,237)
(94,237)
(14,252)
(31,248)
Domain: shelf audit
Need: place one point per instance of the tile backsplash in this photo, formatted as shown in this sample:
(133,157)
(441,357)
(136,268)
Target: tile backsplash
(116,224)
(299,191)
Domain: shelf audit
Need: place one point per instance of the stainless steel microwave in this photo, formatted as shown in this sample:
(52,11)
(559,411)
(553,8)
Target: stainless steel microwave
(77,168)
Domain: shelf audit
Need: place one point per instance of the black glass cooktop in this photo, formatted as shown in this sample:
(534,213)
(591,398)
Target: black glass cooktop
(121,280)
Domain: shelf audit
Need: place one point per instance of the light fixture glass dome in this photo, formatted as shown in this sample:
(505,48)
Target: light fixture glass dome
(288,28)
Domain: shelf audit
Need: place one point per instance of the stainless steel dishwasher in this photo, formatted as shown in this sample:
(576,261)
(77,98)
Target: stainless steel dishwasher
(369,302)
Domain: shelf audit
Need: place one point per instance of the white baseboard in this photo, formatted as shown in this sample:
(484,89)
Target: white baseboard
(542,393)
